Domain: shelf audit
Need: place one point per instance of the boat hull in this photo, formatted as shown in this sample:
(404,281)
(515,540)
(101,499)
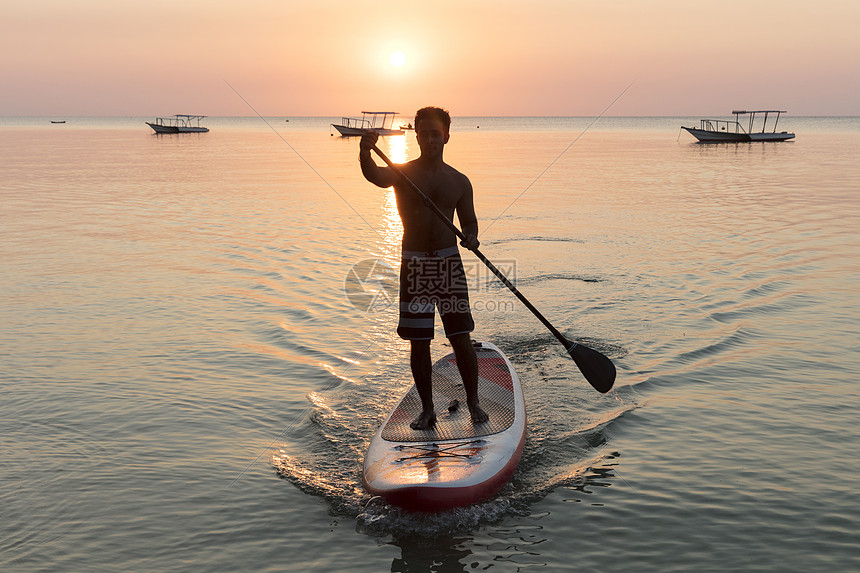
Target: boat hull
(162,128)
(708,136)
(783,136)
(347,131)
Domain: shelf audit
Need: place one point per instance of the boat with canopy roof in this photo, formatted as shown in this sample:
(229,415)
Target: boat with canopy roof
(179,123)
(722,130)
(379,121)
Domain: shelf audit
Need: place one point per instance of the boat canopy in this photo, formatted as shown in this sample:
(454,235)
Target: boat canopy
(377,119)
(724,125)
(371,120)
(752,115)
(759,111)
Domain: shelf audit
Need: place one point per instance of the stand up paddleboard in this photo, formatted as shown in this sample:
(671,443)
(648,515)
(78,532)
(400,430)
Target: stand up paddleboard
(457,462)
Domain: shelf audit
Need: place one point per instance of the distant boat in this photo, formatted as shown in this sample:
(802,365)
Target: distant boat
(724,131)
(378,121)
(407,126)
(61,121)
(179,123)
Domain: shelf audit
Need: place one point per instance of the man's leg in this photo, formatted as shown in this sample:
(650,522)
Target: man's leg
(467,363)
(422,369)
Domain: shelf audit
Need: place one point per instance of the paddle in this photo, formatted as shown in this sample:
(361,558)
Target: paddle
(597,368)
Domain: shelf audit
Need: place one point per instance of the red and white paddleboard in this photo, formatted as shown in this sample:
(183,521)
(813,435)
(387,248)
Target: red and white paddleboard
(457,462)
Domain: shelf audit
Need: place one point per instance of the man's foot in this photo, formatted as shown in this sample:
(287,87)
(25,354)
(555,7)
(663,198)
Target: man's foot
(478,414)
(425,421)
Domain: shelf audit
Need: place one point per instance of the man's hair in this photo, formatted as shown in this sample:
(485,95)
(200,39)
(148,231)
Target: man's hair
(433,113)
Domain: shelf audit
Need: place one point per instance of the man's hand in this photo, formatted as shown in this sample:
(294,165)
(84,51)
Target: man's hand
(379,176)
(368,140)
(470,242)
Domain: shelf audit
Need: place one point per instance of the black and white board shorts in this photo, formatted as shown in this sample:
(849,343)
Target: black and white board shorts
(430,281)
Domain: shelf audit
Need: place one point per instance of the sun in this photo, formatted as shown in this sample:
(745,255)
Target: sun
(397,59)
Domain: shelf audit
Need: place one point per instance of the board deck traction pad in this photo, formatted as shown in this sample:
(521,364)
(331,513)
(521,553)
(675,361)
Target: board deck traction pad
(495,393)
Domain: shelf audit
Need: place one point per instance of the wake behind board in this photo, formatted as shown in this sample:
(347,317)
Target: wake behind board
(457,462)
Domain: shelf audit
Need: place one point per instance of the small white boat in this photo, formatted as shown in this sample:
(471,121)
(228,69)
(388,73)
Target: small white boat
(378,121)
(179,123)
(722,131)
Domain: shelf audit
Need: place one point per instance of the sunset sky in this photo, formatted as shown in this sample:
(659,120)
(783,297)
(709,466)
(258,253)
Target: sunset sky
(475,57)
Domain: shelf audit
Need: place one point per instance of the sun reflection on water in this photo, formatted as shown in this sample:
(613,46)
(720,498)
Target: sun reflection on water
(392,227)
(397,148)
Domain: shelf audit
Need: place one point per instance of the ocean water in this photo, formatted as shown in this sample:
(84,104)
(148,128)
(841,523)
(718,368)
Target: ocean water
(189,382)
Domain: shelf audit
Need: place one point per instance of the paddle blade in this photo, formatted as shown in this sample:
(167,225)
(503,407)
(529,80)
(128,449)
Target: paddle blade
(597,368)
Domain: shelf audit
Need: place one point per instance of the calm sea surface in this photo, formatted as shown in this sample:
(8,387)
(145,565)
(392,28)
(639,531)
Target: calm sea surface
(188,382)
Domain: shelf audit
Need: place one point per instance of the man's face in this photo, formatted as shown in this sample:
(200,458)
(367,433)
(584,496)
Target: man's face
(432,135)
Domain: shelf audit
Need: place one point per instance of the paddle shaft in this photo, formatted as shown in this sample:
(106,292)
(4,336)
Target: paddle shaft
(568,344)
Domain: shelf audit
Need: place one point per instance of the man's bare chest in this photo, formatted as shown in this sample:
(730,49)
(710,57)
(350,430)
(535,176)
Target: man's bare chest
(443,189)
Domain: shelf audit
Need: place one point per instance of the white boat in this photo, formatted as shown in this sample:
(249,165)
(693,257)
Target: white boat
(722,130)
(378,121)
(179,123)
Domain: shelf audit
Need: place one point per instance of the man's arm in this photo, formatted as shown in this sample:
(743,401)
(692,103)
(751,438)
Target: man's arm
(379,176)
(467,217)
